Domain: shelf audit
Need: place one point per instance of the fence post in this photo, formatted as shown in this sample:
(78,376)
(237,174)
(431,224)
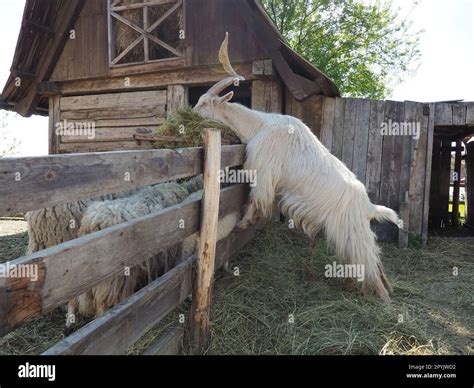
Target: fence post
(200,310)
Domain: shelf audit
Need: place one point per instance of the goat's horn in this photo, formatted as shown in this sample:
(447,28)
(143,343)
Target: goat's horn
(224,58)
(221,85)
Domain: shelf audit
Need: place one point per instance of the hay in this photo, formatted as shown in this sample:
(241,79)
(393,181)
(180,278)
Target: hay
(183,129)
(280,274)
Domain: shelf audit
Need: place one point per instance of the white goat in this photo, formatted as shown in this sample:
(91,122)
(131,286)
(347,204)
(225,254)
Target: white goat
(313,188)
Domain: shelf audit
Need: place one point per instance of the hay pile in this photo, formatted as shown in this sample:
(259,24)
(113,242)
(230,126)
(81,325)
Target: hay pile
(183,129)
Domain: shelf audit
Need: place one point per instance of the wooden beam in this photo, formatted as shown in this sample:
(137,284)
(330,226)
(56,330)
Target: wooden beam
(66,270)
(48,89)
(152,78)
(176,97)
(202,291)
(37,27)
(54,118)
(66,20)
(52,180)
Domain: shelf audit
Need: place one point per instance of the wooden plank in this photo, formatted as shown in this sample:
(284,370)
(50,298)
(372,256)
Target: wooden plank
(107,146)
(176,97)
(456,182)
(444,179)
(443,114)
(152,120)
(123,115)
(470,114)
(434,209)
(396,162)
(338,132)
(100,336)
(114,134)
(459,114)
(349,132)
(171,343)
(114,100)
(404,214)
(53,180)
(374,150)
(327,124)
(417,166)
(385,231)
(113,332)
(361,139)
(204,283)
(267,96)
(53,139)
(66,270)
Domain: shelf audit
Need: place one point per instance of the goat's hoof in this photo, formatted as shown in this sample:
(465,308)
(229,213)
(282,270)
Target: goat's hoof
(242,225)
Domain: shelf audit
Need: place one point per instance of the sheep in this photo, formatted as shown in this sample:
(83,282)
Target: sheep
(100,215)
(57,224)
(302,176)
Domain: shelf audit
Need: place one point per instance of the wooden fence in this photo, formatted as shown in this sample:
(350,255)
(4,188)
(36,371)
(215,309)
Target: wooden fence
(66,270)
(396,169)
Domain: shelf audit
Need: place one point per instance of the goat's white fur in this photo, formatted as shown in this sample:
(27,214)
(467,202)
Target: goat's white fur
(313,187)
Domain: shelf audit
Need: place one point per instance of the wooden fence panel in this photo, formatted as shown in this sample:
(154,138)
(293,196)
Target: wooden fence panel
(100,336)
(67,270)
(374,150)
(361,139)
(57,179)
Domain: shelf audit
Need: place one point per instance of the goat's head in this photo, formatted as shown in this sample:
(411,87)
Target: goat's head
(209,103)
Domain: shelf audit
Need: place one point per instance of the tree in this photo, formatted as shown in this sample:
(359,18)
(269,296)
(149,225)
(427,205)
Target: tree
(7,146)
(365,49)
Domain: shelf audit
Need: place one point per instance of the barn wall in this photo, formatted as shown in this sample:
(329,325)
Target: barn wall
(86,56)
(116,117)
(204,33)
(395,169)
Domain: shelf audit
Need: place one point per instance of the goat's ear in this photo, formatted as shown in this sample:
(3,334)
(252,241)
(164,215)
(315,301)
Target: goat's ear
(227,97)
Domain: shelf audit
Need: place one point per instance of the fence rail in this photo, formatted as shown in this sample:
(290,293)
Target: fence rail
(38,182)
(69,269)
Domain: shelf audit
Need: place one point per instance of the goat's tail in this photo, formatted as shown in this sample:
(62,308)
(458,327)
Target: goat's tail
(382,213)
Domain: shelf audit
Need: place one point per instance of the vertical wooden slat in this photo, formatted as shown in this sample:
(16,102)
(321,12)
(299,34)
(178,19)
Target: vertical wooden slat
(444,179)
(327,123)
(443,114)
(349,131)
(459,114)
(176,97)
(201,307)
(267,96)
(361,139)
(428,174)
(374,150)
(54,118)
(470,114)
(435,210)
(470,183)
(456,183)
(338,131)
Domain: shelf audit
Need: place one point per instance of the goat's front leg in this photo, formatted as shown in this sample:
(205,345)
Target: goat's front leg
(251,216)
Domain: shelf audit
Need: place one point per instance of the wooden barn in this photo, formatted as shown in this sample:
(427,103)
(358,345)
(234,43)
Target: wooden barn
(123,65)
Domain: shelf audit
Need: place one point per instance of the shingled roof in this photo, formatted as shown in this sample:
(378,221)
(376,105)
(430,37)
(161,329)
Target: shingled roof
(44,33)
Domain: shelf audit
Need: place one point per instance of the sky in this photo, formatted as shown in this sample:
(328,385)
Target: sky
(446,70)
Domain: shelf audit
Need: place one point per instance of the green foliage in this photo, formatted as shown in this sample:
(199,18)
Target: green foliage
(365,49)
(7,146)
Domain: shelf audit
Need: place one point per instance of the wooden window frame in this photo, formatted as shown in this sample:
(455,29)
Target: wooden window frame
(145,32)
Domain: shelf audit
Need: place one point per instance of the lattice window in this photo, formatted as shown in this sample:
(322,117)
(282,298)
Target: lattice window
(145,31)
